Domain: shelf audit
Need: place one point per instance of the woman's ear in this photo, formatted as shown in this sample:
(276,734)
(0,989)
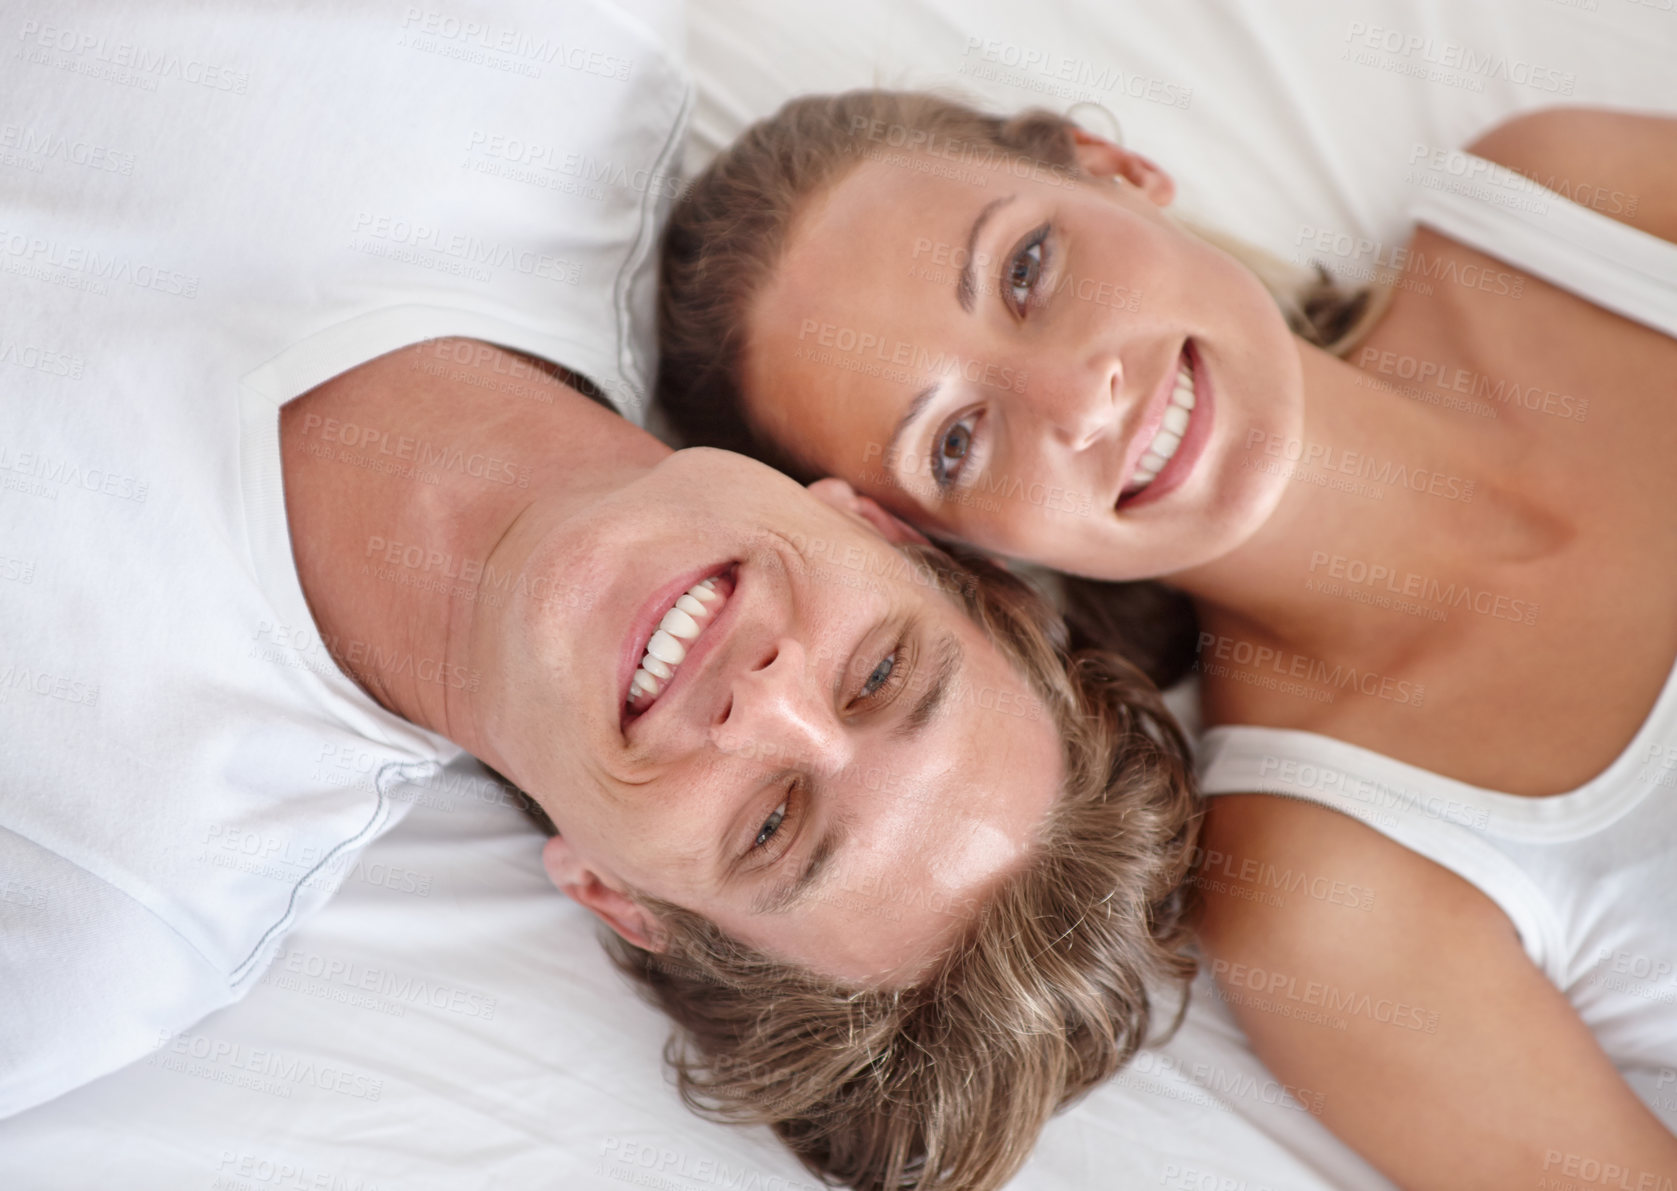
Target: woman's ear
(1102,158)
(888,525)
(611,906)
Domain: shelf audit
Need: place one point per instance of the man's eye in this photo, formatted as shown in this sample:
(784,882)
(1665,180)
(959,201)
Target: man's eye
(883,680)
(771,825)
(880,676)
(953,447)
(776,834)
(1025,270)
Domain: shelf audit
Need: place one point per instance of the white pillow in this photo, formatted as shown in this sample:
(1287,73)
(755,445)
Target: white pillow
(1279,119)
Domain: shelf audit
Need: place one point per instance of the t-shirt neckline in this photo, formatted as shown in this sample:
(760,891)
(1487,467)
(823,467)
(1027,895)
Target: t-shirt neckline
(303,366)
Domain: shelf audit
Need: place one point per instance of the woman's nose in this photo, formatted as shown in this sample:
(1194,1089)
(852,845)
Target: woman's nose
(1079,409)
(778,712)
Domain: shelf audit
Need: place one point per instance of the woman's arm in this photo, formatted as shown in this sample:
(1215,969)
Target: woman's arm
(1443,1055)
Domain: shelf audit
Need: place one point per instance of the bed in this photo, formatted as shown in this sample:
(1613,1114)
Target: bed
(448,1021)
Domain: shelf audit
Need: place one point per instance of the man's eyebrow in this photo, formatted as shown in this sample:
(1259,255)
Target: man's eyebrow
(966,286)
(946,670)
(780,898)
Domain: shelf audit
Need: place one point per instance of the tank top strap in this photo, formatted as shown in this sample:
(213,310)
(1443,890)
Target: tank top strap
(1507,215)
(1453,831)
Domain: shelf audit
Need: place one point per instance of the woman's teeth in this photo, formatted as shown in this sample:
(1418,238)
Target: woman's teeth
(681,626)
(1163,447)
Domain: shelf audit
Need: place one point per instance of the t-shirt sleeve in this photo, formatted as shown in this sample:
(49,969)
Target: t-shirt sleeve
(71,1009)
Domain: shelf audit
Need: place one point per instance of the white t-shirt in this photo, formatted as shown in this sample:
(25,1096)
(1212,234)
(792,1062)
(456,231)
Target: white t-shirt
(203,214)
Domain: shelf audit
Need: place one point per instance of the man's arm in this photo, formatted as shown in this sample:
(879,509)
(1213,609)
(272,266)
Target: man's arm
(1443,1055)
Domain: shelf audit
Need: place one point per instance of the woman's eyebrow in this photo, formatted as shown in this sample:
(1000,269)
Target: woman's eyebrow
(915,408)
(966,286)
(966,293)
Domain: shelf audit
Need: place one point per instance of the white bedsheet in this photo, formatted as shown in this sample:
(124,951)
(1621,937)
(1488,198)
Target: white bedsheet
(448,1022)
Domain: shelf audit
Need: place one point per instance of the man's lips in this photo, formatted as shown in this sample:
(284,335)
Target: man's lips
(647,620)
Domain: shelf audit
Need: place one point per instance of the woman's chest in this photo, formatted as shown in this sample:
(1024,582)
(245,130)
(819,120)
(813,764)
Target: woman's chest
(1577,403)
(1534,705)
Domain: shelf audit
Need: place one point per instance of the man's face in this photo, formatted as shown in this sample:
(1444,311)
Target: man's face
(834,765)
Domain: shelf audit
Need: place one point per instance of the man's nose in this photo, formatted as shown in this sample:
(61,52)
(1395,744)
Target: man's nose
(780,710)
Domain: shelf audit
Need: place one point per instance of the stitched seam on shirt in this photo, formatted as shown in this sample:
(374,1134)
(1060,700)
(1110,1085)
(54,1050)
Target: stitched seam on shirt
(638,251)
(380,809)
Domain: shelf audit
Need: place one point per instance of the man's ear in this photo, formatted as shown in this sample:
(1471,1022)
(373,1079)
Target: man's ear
(1102,158)
(888,525)
(584,886)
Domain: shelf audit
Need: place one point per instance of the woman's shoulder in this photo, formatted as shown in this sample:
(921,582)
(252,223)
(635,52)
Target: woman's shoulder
(1280,874)
(1402,998)
(1243,830)
(1622,164)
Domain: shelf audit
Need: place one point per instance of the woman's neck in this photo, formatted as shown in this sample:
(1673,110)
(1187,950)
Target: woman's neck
(1382,488)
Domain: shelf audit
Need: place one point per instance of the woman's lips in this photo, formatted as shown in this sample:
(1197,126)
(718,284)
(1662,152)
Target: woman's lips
(1148,428)
(1194,438)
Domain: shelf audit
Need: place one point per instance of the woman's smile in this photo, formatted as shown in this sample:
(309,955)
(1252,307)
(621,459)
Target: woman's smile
(1176,445)
(1162,434)
(1110,405)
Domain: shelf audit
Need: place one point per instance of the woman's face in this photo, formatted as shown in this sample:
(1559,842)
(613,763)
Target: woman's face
(1045,368)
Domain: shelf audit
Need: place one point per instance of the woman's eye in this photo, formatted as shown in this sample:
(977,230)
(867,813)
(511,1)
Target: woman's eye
(1025,270)
(953,447)
(771,825)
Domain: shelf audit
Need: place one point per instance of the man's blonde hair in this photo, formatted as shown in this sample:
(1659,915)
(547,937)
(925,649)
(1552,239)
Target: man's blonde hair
(1049,990)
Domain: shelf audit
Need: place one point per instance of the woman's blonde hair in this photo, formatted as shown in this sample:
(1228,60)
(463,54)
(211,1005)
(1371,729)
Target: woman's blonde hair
(1048,991)
(729,228)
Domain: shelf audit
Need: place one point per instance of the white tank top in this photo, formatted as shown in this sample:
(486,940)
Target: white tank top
(1589,877)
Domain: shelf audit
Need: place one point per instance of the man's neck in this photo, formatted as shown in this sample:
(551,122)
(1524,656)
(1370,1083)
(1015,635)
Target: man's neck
(404,480)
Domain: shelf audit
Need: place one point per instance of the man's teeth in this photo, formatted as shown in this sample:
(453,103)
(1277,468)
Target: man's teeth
(680,627)
(1163,447)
